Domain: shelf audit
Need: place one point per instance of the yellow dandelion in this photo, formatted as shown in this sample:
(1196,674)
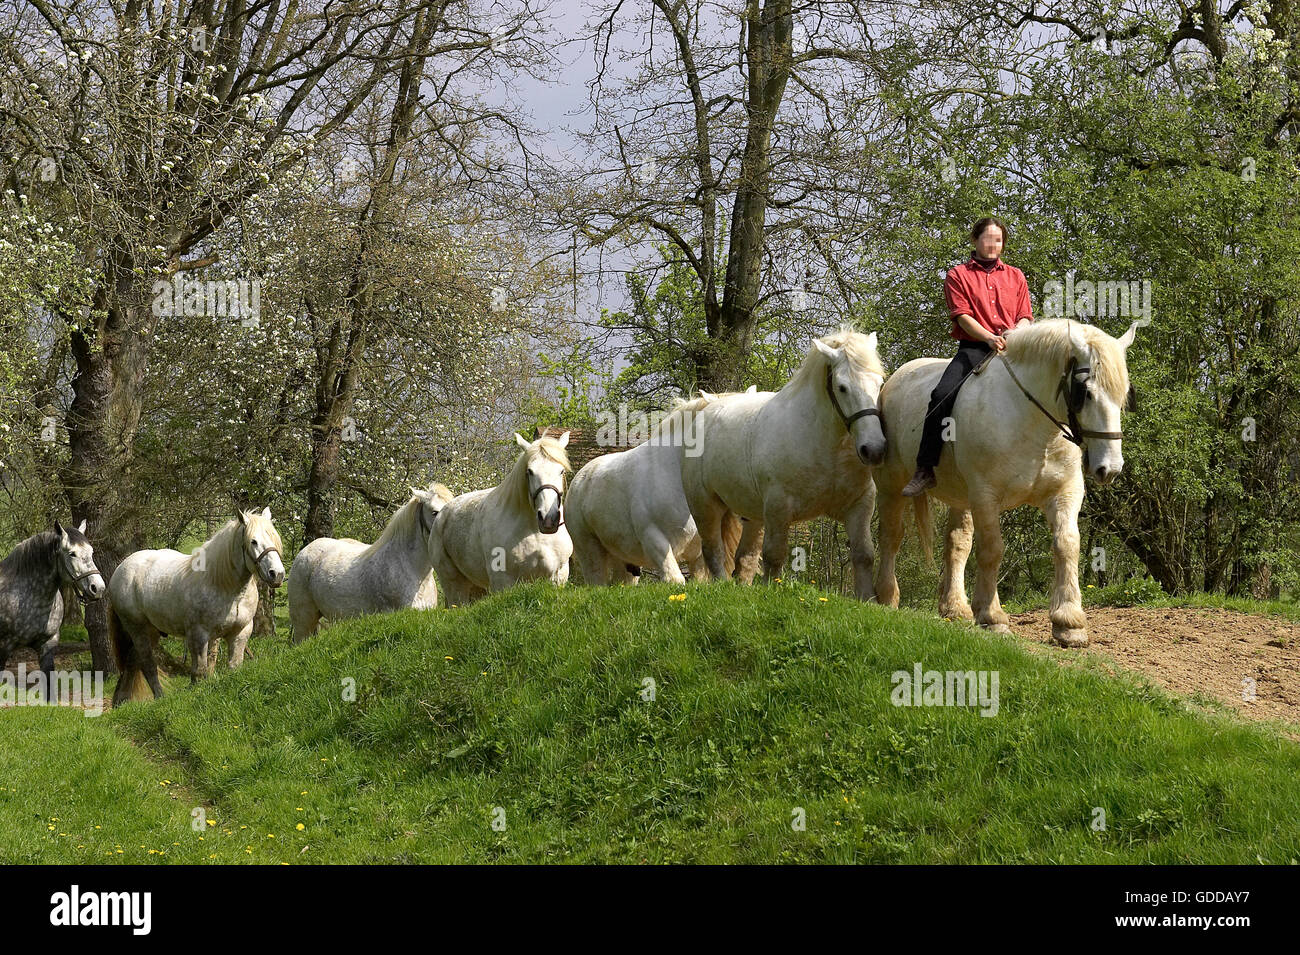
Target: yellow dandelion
(212,822)
(449,658)
(301,827)
(270,835)
(51,828)
(822,599)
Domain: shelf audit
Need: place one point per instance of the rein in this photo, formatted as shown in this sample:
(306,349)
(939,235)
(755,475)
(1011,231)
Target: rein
(1073,433)
(849,419)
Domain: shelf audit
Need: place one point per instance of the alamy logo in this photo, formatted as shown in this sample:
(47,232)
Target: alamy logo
(216,298)
(133,909)
(946,688)
(80,688)
(625,428)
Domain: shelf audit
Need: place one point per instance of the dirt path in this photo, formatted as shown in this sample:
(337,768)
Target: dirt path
(1190,650)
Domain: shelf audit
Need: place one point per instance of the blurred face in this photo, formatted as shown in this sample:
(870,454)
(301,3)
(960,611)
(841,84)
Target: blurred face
(989,244)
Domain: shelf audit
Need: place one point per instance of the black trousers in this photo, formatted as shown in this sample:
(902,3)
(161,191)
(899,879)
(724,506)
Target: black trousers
(943,397)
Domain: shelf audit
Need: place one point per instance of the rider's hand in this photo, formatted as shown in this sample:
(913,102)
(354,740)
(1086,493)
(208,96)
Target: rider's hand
(998,342)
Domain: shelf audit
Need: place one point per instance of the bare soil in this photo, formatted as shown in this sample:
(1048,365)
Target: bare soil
(1197,652)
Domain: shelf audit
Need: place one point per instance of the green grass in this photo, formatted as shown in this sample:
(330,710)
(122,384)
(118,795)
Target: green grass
(766,700)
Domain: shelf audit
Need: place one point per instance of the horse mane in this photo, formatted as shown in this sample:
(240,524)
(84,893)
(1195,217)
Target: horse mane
(36,553)
(546,447)
(224,550)
(855,347)
(1048,341)
(405,517)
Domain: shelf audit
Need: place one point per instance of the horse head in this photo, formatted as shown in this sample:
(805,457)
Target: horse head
(854,377)
(432,502)
(546,465)
(76,560)
(261,546)
(1096,390)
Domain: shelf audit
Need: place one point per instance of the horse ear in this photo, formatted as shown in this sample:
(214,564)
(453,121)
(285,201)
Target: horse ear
(1127,338)
(825,349)
(708,396)
(752,389)
(563,440)
(58,529)
(871,341)
(81,528)
(266,513)
(520,441)
(243,519)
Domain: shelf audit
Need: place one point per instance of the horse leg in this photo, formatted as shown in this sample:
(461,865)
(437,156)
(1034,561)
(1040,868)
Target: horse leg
(592,558)
(862,549)
(708,524)
(952,580)
(988,554)
(304,619)
(238,643)
(659,554)
(146,647)
(197,643)
(748,552)
(891,536)
(1069,622)
(776,526)
(47,668)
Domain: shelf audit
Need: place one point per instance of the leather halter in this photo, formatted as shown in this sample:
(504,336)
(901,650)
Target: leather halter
(81,595)
(849,419)
(559,495)
(1068,386)
(257,561)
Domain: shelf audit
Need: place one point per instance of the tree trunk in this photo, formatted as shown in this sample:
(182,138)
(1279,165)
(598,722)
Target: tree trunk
(769,54)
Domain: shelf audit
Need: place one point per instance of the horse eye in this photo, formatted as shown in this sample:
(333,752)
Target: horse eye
(843,389)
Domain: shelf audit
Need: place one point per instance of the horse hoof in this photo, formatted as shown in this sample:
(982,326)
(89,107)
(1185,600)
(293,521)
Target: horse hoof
(1065,637)
(997,628)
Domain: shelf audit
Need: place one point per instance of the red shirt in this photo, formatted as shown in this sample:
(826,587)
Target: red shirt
(995,299)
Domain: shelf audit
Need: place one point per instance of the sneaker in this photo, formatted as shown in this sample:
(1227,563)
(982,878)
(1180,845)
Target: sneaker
(921,481)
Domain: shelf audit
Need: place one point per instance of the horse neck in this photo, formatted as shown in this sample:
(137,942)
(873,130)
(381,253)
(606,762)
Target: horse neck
(809,404)
(44,572)
(227,546)
(1041,380)
(409,542)
(512,493)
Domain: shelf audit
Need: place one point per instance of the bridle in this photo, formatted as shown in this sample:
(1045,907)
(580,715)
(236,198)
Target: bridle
(1075,391)
(849,419)
(76,580)
(559,496)
(257,561)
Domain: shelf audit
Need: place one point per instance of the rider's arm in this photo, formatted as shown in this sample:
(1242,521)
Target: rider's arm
(974,329)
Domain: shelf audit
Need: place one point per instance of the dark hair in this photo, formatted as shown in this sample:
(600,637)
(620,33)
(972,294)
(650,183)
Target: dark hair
(978,228)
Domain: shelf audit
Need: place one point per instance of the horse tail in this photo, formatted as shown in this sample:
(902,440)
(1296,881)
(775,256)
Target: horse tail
(924,526)
(731,531)
(130,681)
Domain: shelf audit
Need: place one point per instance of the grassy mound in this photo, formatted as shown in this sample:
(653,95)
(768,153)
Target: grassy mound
(519,729)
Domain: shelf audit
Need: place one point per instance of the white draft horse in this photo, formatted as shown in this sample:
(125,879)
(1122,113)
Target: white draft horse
(627,510)
(336,578)
(1010,447)
(487,540)
(802,452)
(203,597)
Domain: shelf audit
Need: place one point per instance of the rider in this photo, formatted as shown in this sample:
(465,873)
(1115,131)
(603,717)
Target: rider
(986,297)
